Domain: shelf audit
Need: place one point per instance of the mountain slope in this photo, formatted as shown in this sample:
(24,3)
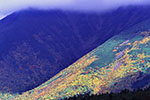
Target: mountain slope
(36,45)
(122,62)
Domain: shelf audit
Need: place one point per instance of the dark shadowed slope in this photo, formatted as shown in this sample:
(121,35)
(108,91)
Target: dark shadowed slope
(36,45)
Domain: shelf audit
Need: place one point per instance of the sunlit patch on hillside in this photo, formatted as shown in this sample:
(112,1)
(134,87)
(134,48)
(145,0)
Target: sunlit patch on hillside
(86,75)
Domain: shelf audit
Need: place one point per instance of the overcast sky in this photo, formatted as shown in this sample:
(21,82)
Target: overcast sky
(8,6)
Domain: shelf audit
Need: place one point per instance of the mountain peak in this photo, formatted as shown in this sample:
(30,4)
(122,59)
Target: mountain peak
(36,45)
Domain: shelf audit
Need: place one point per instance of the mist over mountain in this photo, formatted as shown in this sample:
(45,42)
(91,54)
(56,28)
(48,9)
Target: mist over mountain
(7,6)
(37,44)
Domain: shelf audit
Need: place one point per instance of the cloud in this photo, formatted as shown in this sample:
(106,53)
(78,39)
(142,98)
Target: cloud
(12,5)
(2,16)
(100,5)
(7,6)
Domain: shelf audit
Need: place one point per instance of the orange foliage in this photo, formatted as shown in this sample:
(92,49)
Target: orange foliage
(142,61)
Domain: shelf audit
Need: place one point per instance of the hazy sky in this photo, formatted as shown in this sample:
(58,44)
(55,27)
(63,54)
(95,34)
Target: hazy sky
(7,6)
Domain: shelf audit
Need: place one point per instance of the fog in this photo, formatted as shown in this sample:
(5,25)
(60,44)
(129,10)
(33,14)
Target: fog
(8,6)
